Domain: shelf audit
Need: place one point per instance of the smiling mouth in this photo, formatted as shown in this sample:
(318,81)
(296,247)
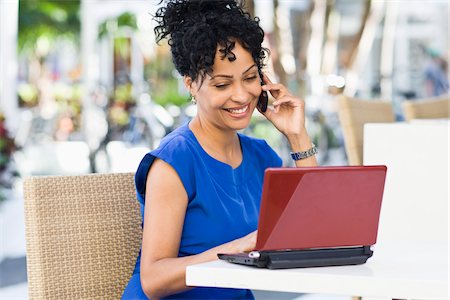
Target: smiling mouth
(238,111)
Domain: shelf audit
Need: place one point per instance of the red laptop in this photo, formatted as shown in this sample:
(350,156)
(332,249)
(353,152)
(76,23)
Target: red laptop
(316,216)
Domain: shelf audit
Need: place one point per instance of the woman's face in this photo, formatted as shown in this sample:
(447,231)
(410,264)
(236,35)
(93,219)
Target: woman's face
(228,96)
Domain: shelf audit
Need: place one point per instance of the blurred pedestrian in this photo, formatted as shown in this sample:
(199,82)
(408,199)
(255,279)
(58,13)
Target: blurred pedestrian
(436,79)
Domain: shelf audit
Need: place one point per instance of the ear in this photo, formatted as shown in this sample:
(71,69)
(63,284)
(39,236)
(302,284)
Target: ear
(188,83)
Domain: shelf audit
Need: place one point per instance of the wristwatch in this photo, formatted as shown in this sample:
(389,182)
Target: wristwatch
(305,154)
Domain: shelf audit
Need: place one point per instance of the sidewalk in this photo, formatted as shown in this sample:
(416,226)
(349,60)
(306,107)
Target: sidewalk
(13,274)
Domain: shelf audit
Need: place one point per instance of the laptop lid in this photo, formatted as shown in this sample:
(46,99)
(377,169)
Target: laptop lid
(320,207)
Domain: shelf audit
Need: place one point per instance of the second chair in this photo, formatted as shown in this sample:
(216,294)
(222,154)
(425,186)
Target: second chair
(433,108)
(353,114)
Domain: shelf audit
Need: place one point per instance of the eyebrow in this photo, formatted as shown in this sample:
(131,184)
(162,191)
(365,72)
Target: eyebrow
(231,76)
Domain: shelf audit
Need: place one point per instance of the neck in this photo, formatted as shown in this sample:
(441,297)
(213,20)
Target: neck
(220,144)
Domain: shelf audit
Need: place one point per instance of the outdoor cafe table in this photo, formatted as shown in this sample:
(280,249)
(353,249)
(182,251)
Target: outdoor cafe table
(411,257)
(401,271)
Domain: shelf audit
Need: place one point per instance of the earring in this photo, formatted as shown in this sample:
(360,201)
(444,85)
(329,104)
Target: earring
(193,100)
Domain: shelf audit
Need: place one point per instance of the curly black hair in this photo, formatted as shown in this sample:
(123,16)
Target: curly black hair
(196,28)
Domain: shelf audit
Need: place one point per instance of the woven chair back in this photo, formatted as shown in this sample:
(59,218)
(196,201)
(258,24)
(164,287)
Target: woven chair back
(83,235)
(353,114)
(433,108)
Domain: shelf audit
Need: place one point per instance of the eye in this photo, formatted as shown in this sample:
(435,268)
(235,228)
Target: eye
(221,86)
(250,78)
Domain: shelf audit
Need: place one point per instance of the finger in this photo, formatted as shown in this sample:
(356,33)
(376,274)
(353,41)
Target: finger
(272,113)
(276,89)
(287,99)
(266,79)
(276,109)
(274,86)
(269,112)
(279,86)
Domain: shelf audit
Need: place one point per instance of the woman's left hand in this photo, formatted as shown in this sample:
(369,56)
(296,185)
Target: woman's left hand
(288,111)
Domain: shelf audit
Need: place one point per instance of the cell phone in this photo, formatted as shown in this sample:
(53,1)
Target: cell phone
(263,99)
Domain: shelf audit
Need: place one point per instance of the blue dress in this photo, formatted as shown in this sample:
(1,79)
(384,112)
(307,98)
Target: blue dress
(223,203)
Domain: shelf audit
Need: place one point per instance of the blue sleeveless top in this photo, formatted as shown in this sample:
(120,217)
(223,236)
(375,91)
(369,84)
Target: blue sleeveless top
(223,203)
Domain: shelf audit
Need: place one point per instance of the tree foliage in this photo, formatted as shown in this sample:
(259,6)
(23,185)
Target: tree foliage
(113,25)
(48,18)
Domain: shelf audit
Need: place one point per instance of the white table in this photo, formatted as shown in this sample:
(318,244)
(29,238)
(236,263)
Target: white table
(416,196)
(411,259)
(393,274)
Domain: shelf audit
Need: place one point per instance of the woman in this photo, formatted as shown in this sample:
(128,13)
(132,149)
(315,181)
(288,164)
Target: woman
(200,190)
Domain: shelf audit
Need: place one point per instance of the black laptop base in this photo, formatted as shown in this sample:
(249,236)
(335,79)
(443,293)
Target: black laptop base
(303,258)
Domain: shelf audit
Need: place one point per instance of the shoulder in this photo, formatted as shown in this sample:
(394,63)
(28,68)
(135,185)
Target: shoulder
(176,142)
(176,149)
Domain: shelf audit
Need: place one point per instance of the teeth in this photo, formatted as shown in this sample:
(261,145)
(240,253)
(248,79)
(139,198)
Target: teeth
(238,111)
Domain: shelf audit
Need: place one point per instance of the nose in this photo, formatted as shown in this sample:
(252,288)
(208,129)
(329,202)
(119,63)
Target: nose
(240,94)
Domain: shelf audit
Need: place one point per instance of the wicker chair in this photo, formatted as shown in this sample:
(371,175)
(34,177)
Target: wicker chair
(433,108)
(353,114)
(83,235)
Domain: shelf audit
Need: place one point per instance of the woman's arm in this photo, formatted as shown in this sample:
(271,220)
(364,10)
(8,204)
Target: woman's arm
(162,272)
(302,143)
(288,116)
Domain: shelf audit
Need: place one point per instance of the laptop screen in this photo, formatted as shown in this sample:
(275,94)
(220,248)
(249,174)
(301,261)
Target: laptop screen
(320,207)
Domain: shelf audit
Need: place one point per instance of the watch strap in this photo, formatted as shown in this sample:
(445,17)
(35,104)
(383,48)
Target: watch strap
(305,154)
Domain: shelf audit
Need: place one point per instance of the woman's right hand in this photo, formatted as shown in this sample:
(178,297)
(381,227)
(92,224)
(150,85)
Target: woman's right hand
(244,244)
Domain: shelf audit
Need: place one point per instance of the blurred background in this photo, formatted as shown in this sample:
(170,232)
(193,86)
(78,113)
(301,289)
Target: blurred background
(84,88)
